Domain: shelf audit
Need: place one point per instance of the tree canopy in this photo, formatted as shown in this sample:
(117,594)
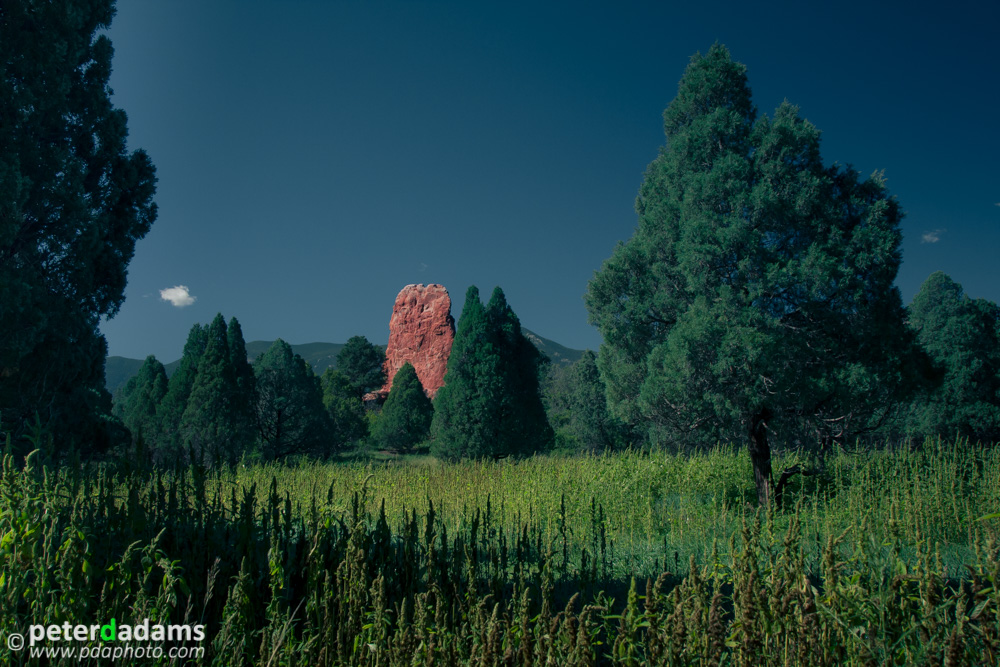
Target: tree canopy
(962,336)
(140,400)
(215,418)
(756,296)
(206,405)
(344,407)
(362,363)
(73,203)
(290,414)
(576,405)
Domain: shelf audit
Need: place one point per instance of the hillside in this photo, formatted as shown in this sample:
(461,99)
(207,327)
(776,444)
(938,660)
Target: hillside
(553,350)
(118,370)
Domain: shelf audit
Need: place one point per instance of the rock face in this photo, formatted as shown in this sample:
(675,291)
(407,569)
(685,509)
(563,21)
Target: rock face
(421,331)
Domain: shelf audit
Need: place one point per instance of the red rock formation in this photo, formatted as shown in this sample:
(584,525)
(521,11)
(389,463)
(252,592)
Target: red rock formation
(421,331)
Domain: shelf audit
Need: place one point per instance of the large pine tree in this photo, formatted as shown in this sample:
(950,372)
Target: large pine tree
(962,336)
(290,415)
(73,203)
(756,296)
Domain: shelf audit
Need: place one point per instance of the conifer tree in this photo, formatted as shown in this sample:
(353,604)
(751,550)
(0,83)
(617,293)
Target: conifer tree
(290,414)
(170,443)
(406,416)
(748,301)
(243,404)
(490,404)
(74,200)
(363,364)
(209,422)
(577,407)
(962,336)
(140,401)
(344,407)
(522,426)
(464,418)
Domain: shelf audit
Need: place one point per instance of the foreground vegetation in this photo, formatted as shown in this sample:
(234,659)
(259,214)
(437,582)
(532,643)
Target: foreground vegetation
(883,558)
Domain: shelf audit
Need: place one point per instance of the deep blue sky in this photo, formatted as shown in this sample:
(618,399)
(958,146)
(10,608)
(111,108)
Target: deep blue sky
(315,157)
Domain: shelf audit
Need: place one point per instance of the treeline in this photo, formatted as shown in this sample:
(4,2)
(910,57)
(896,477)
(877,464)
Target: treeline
(218,407)
(958,395)
(501,396)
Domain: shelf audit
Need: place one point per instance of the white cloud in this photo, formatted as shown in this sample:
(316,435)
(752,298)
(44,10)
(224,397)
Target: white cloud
(423,267)
(178,295)
(932,236)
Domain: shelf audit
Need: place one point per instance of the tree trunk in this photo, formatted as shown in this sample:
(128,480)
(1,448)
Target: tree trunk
(760,456)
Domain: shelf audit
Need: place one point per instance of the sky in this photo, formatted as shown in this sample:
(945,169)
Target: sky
(315,157)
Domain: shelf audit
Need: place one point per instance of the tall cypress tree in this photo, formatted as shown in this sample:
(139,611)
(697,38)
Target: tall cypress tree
(522,426)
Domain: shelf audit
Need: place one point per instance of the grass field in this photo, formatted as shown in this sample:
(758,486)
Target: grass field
(885,557)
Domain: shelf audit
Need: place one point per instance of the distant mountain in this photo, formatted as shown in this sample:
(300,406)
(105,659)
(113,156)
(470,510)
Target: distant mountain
(118,370)
(320,355)
(553,350)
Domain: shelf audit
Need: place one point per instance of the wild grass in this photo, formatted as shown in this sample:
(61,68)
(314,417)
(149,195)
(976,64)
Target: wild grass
(628,558)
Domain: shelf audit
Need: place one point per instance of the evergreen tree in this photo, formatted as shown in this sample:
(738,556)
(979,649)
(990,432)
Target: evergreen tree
(141,398)
(590,424)
(748,299)
(170,443)
(490,404)
(344,407)
(464,419)
(557,397)
(522,426)
(290,415)
(73,203)
(406,416)
(962,336)
(210,421)
(243,404)
(363,364)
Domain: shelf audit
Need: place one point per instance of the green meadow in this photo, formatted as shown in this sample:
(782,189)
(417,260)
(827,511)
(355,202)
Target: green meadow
(886,556)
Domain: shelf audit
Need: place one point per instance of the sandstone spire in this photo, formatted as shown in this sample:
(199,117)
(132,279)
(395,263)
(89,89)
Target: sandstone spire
(421,332)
